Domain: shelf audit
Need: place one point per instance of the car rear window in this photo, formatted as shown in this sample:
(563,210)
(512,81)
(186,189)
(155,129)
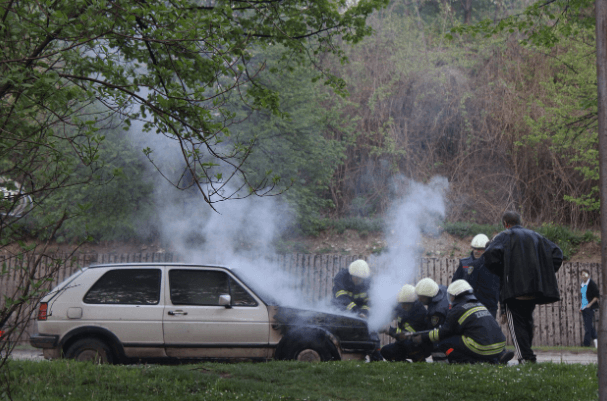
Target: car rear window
(203,287)
(126,286)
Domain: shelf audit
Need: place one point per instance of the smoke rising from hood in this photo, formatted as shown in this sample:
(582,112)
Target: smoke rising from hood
(241,234)
(419,212)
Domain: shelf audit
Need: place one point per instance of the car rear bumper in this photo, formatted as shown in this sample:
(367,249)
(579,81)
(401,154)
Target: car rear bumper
(44,341)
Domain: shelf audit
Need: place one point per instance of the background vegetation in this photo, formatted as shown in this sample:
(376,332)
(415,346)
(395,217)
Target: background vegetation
(510,122)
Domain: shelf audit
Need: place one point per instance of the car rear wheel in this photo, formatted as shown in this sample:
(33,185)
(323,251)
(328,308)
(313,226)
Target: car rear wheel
(90,349)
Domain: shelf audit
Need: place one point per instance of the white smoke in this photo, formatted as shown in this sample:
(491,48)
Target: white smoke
(241,232)
(417,213)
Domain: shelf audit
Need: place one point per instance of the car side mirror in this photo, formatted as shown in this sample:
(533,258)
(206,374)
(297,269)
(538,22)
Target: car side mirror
(225,300)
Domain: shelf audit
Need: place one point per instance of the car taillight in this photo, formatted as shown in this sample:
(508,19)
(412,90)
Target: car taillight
(42,311)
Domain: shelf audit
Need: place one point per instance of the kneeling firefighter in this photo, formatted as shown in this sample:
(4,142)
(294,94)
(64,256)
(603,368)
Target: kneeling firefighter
(470,334)
(351,288)
(411,318)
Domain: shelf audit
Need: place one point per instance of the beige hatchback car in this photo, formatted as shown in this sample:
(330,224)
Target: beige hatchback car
(121,313)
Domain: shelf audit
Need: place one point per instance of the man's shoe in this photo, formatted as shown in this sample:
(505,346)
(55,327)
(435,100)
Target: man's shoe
(506,357)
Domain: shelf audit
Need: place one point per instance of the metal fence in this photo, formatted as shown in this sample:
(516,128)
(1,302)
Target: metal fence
(557,324)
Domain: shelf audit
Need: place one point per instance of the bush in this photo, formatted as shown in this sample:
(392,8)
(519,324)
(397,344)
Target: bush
(569,240)
(463,229)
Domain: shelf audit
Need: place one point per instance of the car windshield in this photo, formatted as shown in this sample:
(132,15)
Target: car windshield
(250,282)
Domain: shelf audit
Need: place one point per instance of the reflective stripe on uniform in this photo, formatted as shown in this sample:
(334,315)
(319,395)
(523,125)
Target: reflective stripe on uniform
(433,335)
(361,295)
(469,312)
(364,307)
(342,292)
(490,349)
(409,328)
(351,305)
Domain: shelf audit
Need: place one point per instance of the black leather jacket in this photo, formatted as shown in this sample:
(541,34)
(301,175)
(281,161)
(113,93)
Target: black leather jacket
(526,263)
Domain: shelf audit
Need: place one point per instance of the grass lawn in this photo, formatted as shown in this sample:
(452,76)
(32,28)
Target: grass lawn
(381,381)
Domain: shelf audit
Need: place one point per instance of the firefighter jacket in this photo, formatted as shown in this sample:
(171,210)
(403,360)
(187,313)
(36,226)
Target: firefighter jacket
(486,285)
(348,296)
(438,308)
(526,263)
(409,321)
(471,320)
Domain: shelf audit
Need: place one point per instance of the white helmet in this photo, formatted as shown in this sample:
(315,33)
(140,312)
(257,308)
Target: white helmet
(479,241)
(407,294)
(427,287)
(459,287)
(359,268)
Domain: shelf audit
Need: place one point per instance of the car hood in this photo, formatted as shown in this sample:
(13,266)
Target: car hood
(346,328)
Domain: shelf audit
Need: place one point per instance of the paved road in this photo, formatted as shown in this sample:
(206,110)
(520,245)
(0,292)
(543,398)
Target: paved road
(542,356)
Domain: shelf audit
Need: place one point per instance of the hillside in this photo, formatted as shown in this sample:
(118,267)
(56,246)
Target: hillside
(350,242)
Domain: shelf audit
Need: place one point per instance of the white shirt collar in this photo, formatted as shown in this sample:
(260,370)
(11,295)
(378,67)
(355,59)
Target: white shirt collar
(586,283)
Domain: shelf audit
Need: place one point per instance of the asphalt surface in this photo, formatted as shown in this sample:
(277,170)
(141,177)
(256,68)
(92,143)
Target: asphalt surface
(584,358)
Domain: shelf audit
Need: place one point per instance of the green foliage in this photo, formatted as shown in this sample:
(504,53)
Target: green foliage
(565,115)
(113,204)
(349,380)
(361,224)
(568,240)
(293,147)
(464,229)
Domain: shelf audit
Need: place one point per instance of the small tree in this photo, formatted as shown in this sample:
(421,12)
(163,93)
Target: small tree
(173,66)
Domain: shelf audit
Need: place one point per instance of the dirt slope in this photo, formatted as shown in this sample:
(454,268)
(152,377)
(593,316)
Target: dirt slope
(348,243)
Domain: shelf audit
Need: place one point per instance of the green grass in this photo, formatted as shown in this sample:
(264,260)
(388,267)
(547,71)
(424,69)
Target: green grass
(68,380)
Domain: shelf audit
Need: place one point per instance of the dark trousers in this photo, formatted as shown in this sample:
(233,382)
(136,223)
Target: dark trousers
(456,352)
(588,316)
(520,323)
(407,349)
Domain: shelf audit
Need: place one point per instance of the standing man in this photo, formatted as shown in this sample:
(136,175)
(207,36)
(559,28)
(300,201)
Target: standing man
(486,286)
(351,288)
(590,303)
(526,264)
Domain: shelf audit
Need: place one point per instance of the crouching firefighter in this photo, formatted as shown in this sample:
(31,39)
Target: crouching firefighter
(470,334)
(351,288)
(434,296)
(411,318)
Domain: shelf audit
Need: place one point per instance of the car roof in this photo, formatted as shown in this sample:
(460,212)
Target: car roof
(156,264)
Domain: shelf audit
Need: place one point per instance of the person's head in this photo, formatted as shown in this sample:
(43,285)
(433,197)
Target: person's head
(478,244)
(359,269)
(407,297)
(585,274)
(426,289)
(458,288)
(511,218)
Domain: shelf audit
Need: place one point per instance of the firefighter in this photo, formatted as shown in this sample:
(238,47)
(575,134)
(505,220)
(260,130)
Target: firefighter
(434,296)
(351,288)
(470,334)
(411,317)
(486,285)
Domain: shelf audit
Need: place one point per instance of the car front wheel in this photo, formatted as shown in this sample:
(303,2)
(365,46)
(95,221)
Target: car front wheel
(90,349)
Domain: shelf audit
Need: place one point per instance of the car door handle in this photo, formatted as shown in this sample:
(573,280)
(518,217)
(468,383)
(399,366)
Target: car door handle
(177,312)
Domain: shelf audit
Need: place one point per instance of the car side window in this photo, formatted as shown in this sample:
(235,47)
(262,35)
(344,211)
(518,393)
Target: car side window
(197,287)
(240,296)
(126,286)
